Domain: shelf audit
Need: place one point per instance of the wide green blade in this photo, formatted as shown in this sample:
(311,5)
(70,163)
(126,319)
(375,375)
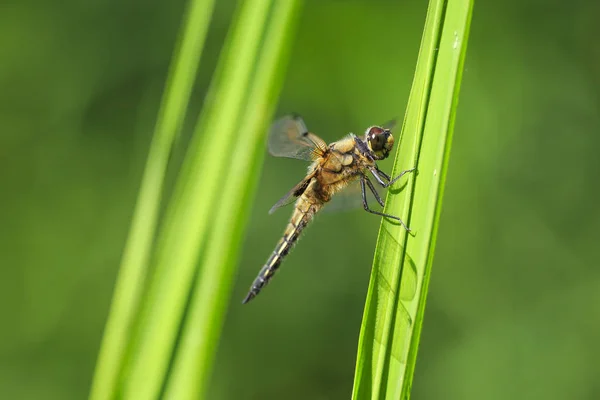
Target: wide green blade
(132,274)
(401,267)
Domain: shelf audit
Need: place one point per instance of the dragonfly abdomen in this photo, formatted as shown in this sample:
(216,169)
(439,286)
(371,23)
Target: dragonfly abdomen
(303,214)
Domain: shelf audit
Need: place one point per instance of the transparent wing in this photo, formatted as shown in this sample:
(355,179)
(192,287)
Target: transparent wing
(292,195)
(290,138)
(350,198)
(391,124)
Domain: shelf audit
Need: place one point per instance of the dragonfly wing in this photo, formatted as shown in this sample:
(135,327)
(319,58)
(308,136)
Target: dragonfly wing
(391,124)
(350,198)
(289,137)
(292,195)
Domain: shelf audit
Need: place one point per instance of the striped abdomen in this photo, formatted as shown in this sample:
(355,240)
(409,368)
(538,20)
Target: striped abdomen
(302,215)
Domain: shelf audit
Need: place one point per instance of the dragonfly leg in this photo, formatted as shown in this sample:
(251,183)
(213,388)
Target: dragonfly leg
(372,189)
(376,174)
(401,175)
(382,177)
(383,174)
(366,205)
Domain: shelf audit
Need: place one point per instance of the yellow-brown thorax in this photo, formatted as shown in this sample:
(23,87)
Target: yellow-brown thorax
(341,164)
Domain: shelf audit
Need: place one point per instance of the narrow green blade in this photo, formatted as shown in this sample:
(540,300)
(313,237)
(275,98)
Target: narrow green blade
(199,339)
(132,273)
(402,263)
(196,197)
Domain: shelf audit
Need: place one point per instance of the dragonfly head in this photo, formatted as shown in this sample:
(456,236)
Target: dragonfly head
(380,141)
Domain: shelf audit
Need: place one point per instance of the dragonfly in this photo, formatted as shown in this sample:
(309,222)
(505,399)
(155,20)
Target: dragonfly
(345,162)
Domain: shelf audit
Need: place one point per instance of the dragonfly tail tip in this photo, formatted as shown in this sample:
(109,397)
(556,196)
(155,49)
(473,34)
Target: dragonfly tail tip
(248,297)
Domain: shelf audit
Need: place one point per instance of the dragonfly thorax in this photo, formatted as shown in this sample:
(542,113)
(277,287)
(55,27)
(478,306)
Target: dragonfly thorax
(380,141)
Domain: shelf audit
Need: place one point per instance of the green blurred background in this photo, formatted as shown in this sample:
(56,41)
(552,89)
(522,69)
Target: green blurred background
(514,304)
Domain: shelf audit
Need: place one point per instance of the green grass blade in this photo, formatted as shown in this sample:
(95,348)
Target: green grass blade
(450,66)
(401,267)
(206,312)
(196,196)
(132,273)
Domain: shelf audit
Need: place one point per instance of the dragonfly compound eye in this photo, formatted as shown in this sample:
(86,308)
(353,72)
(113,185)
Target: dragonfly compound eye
(389,142)
(380,141)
